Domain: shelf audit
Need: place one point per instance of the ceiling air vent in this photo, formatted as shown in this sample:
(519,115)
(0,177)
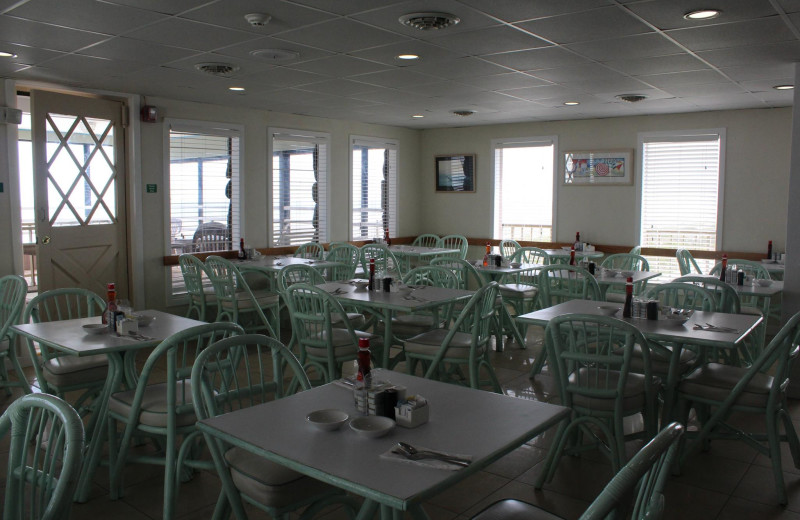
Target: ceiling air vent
(631,98)
(463,113)
(217,69)
(275,54)
(428,21)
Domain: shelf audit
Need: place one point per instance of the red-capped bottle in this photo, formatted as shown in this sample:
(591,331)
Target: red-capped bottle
(371,285)
(111,305)
(242,252)
(386,237)
(488,252)
(769,250)
(627,310)
(572,256)
(363,381)
(724,269)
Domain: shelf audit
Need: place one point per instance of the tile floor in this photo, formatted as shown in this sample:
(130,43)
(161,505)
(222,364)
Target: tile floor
(729,482)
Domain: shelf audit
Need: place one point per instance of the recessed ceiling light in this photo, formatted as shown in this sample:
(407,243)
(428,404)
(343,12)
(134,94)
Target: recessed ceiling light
(5,54)
(571,103)
(702,14)
(407,56)
(417,116)
(783,87)
(236,89)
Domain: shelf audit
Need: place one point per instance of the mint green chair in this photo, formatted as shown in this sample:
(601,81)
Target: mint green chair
(385,261)
(13,290)
(719,391)
(350,258)
(508,247)
(44,457)
(590,358)
(686,262)
(201,298)
(636,491)
(460,353)
(522,292)
(311,251)
(625,262)
(240,372)
(160,406)
(237,303)
(636,250)
(426,240)
(57,372)
(455,242)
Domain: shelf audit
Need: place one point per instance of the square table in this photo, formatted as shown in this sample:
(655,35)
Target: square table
(481,424)
(608,278)
(562,255)
(406,253)
(422,298)
(271,266)
(661,330)
(69,337)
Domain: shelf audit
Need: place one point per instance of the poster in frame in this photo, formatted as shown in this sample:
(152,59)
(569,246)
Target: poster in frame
(598,168)
(455,173)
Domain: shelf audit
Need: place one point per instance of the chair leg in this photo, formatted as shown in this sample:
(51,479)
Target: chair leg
(773,438)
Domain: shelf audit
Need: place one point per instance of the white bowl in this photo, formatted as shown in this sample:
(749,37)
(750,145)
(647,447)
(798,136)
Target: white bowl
(607,310)
(372,426)
(95,328)
(144,319)
(764,282)
(328,419)
(676,319)
(360,284)
(515,265)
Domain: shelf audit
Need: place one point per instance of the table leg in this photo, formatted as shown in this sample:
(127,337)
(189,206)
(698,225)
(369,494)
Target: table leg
(671,386)
(367,511)
(507,321)
(387,338)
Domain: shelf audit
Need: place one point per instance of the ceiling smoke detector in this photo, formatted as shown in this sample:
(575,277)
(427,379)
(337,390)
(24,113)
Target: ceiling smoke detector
(463,113)
(631,98)
(275,54)
(429,21)
(217,69)
(257,19)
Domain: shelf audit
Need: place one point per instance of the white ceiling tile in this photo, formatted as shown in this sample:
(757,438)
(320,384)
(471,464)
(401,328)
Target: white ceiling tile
(244,67)
(711,89)
(443,88)
(683,62)
(34,34)
(134,50)
(388,18)
(459,68)
(26,54)
(515,11)
(347,8)
(245,49)
(766,86)
(339,66)
(505,81)
(428,53)
(628,47)
(576,73)
(230,13)
(87,15)
(339,36)
(766,72)
(579,27)
(752,32)
(776,53)
(161,6)
(669,15)
(790,6)
(537,59)
(722,101)
(340,87)
(191,35)
(393,97)
(282,77)
(75,63)
(651,94)
(489,41)
(544,92)
(698,77)
(396,78)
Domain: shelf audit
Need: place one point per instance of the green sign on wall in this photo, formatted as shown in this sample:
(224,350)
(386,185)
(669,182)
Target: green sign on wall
(152,188)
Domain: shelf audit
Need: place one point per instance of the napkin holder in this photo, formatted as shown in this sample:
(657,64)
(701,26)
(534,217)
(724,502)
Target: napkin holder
(412,413)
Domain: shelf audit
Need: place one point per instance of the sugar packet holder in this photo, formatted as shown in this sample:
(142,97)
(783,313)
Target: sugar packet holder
(412,412)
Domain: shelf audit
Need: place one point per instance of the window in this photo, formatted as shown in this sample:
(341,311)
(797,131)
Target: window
(299,187)
(681,196)
(374,187)
(203,180)
(524,170)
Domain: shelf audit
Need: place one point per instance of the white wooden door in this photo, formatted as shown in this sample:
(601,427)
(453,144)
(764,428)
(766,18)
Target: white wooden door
(79,192)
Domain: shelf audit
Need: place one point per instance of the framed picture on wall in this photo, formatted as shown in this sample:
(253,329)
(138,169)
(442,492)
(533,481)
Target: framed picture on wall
(599,168)
(455,173)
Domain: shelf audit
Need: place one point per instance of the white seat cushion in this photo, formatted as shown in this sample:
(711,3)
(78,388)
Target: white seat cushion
(634,391)
(263,299)
(715,381)
(270,483)
(356,319)
(518,290)
(429,343)
(72,370)
(154,404)
(342,343)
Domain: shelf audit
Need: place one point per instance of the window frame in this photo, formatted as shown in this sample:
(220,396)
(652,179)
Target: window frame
(521,142)
(685,135)
(393,186)
(237,222)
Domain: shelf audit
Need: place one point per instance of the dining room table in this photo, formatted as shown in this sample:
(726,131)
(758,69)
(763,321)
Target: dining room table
(562,255)
(271,266)
(608,278)
(479,426)
(70,337)
(408,255)
(703,329)
(399,299)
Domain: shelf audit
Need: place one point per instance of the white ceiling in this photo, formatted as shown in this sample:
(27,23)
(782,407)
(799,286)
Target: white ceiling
(508,60)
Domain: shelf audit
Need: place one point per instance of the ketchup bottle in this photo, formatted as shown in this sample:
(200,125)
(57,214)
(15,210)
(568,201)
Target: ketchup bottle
(572,256)
(111,306)
(724,267)
(371,285)
(386,237)
(488,252)
(628,308)
(363,381)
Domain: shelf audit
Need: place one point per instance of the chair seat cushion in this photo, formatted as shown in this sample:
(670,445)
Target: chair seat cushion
(518,290)
(659,361)
(634,390)
(357,320)
(342,343)
(270,483)
(154,404)
(429,343)
(715,381)
(209,295)
(616,297)
(510,509)
(66,371)
(408,325)
(264,299)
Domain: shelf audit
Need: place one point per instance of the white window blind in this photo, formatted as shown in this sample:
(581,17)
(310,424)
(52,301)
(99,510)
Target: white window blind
(299,187)
(524,173)
(680,192)
(203,181)
(374,187)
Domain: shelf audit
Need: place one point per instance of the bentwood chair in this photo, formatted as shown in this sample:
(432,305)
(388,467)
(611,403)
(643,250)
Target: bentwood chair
(426,240)
(636,491)
(717,392)
(466,344)
(44,457)
(625,262)
(161,410)
(13,290)
(346,254)
(455,242)
(238,303)
(590,359)
(239,372)
(310,250)
(686,262)
(320,326)
(57,372)
(508,247)
(521,294)
(758,272)
(200,297)
(211,236)
(385,261)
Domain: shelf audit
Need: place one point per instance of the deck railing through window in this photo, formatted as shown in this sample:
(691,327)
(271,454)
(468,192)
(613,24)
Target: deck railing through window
(527,232)
(30,266)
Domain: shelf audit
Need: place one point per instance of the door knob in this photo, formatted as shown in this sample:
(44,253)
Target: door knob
(45,240)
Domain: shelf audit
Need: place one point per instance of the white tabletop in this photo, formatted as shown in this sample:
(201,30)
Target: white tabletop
(68,335)
(421,297)
(660,330)
(419,251)
(751,289)
(504,269)
(276,263)
(618,279)
(462,420)
(578,254)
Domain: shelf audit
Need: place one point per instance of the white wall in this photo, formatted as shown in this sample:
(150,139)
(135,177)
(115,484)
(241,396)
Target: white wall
(256,177)
(10,236)
(756,176)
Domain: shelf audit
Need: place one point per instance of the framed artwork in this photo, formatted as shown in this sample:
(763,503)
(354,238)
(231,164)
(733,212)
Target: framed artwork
(455,173)
(598,168)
